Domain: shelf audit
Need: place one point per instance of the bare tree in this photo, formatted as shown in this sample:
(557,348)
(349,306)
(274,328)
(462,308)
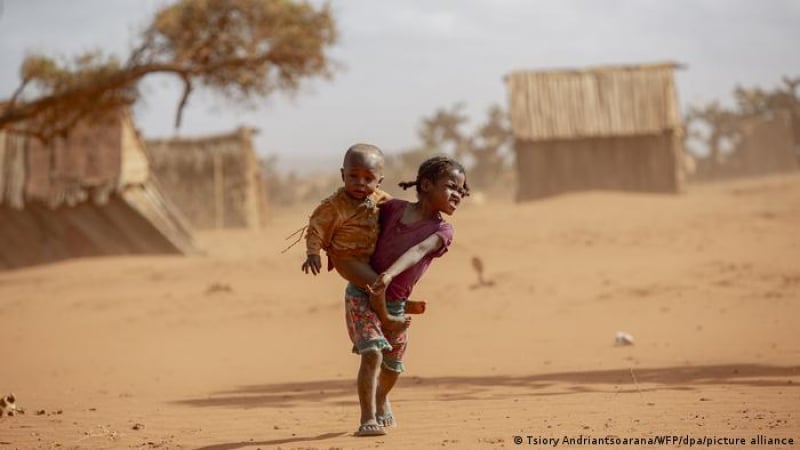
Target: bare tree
(242,49)
(723,124)
(445,131)
(758,102)
(489,147)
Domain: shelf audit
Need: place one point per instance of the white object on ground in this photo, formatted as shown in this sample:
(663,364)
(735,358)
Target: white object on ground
(623,338)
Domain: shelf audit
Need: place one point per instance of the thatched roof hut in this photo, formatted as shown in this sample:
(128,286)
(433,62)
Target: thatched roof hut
(613,127)
(215,181)
(89,194)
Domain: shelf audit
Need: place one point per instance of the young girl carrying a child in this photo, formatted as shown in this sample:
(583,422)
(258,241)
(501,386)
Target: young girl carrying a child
(411,235)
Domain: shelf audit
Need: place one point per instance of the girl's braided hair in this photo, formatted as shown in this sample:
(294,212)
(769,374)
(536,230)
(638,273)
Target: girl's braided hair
(433,169)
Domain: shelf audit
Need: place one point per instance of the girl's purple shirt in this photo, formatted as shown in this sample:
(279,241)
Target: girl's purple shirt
(396,238)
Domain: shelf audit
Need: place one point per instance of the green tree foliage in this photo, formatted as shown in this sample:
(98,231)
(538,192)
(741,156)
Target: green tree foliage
(242,49)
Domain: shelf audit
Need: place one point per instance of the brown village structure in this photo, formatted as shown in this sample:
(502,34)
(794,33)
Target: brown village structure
(619,128)
(103,191)
(89,194)
(615,127)
(215,181)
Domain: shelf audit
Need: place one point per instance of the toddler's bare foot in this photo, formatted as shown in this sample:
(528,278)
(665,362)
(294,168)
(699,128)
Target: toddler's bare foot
(415,306)
(396,323)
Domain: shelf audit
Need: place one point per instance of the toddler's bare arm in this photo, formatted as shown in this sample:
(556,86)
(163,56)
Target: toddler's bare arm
(321,225)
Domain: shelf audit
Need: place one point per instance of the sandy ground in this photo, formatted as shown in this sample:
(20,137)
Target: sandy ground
(240,349)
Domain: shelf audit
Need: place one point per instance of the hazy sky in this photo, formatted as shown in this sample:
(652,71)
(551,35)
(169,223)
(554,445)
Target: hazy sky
(401,60)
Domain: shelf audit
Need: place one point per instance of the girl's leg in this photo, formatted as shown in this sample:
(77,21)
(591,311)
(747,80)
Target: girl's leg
(363,327)
(367,385)
(387,378)
(386,381)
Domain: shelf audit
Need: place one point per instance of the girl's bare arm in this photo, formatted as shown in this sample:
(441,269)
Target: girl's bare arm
(406,260)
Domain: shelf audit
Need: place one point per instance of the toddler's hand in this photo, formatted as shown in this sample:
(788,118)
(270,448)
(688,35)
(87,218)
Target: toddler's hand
(312,263)
(378,288)
(396,323)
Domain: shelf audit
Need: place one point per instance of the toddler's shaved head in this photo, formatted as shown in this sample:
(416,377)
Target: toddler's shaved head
(366,155)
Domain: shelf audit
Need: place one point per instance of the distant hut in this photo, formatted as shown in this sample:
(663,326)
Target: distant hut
(600,128)
(215,181)
(767,145)
(89,194)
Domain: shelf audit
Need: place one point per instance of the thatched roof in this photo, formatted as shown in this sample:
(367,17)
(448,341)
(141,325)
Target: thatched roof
(594,102)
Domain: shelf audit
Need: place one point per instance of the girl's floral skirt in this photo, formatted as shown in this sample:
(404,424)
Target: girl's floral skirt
(365,330)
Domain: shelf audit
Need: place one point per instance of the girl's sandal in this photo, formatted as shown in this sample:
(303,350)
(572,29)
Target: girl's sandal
(370,429)
(386,421)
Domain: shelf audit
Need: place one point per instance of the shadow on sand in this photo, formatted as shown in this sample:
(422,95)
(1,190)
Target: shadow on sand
(342,392)
(235,445)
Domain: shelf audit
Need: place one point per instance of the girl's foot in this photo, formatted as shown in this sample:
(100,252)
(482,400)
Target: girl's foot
(370,429)
(386,421)
(384,415)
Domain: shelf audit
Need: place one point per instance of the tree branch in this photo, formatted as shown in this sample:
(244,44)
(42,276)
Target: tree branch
(15,113)
(247,48)
(187,89)
(18,92)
